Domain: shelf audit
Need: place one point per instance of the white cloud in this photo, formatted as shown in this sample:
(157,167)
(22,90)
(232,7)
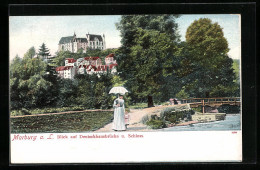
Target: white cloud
(235,53)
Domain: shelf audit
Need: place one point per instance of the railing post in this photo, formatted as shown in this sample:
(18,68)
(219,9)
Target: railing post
(202,101)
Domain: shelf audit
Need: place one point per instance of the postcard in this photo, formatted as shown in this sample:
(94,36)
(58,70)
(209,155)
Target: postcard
(125,88)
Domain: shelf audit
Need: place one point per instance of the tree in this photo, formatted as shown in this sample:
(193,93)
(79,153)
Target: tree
(44,52)
(30,53)
(208,65)
(27,86)
(93,52)
(59,58)
(52,94)
(147,53)
(67,92)
(92,91)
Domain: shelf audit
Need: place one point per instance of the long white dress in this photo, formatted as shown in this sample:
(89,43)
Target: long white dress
(119,115)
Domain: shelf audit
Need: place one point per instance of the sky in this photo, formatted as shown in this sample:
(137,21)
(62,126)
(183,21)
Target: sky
(28,31)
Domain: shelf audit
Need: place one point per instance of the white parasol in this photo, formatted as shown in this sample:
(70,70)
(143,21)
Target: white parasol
(118,90)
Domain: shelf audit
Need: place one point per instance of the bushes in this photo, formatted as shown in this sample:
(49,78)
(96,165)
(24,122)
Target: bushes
(168,116)
(174,114)
(197,109)
(225,108)
(156,124)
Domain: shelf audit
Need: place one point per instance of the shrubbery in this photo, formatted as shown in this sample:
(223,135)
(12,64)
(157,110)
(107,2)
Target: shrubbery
(174,114)
(225,108)
(168,116)
(156,124)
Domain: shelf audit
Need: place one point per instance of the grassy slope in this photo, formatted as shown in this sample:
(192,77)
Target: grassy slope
(68,122)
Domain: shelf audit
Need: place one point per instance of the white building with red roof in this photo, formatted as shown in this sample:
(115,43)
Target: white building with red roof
(67,72)
(110,59)
(91,69)
(87,65)
(70,62)
(96,61)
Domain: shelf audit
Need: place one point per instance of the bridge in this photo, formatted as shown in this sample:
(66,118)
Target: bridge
(212,102)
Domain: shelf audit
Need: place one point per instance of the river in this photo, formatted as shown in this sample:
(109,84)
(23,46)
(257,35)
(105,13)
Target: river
(232,122)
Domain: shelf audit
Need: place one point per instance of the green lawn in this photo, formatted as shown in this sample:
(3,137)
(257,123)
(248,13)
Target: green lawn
(138,106)
(58,123)
(37,111)
(144,105)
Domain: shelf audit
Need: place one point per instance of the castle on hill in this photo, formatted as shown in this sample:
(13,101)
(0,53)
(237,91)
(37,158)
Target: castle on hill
(73,43)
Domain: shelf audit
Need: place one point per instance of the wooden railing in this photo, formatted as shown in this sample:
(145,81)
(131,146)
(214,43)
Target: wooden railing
(212,100)
(195,102)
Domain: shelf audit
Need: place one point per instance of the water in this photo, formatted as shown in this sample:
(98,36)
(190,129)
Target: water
(232,122)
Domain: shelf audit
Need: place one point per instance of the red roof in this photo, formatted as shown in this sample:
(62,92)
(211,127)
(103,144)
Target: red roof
(71,60)
(61,68)
(91,58)
(102,68)
(110,55)
(89,67)
(82,66)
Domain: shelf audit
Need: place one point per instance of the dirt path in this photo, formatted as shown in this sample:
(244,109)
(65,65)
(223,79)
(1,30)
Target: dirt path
(136,116)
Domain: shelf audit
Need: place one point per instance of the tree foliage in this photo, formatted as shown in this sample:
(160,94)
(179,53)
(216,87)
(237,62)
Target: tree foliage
(59,58)
(208,65)
(26,81)
(153,65)
(34,84)
(92,91)
(44,52)
(30,53)
(147,53)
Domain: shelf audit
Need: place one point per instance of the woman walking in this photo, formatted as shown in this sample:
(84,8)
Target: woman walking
(119,114)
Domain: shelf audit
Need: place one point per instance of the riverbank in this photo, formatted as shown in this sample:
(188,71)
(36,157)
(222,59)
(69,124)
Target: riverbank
(231,122)
(136,116)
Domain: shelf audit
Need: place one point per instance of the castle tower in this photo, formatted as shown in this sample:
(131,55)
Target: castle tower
(87,36)
(74,43)
(104,42)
